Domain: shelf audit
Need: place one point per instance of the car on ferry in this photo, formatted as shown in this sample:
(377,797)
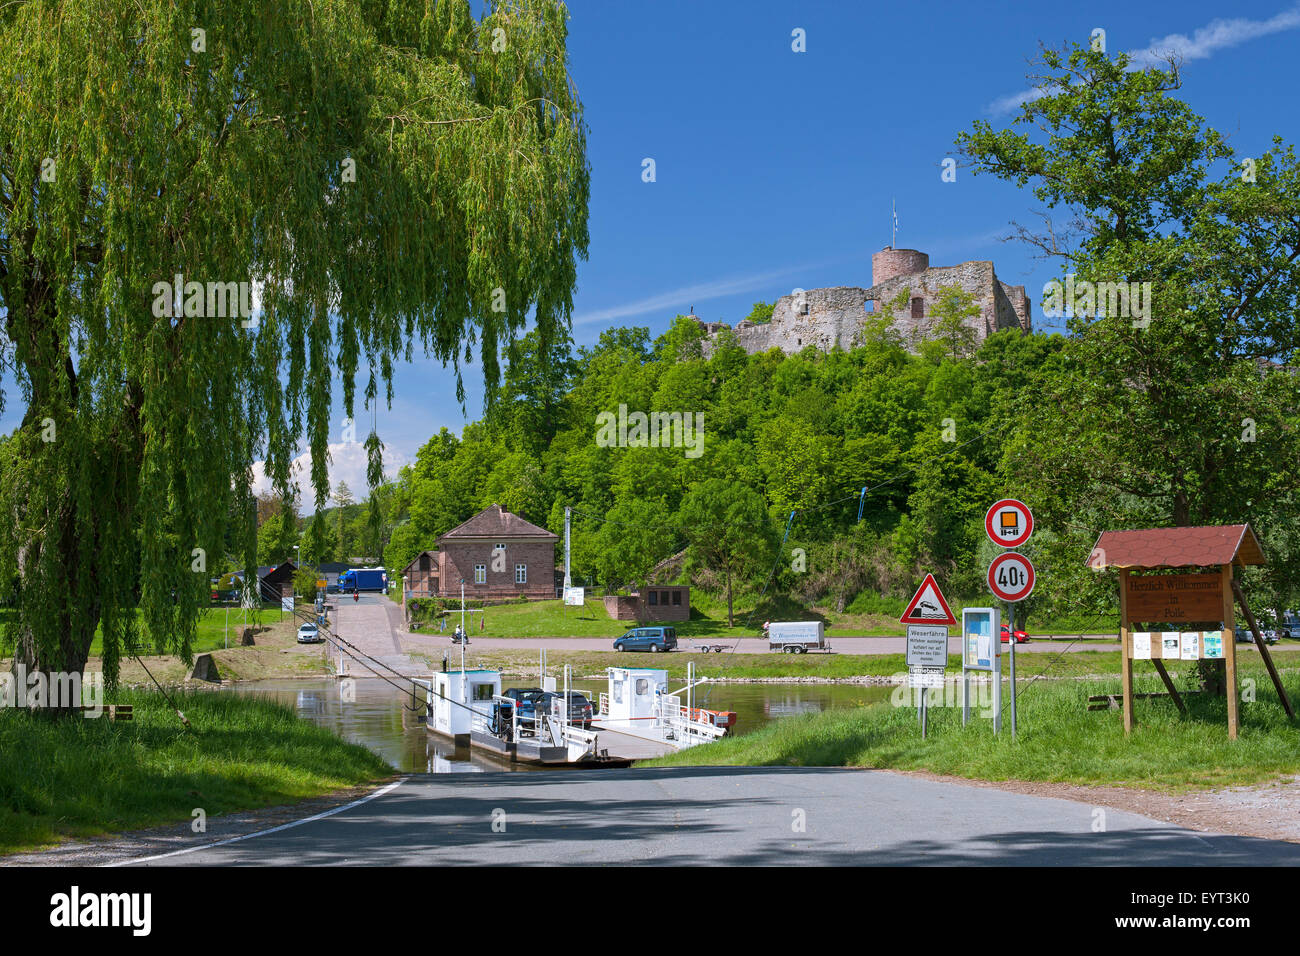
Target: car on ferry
(651,639)
(580,709)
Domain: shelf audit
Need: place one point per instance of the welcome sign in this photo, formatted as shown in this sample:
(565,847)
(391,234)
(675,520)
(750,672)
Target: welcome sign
(1175,598)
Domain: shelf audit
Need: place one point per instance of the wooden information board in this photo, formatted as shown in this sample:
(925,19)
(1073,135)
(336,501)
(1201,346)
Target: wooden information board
(1175,598)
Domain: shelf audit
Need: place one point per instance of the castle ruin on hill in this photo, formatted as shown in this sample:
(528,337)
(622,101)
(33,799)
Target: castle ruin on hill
(825,318)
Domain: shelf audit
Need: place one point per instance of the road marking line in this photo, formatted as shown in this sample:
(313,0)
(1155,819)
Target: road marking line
(248,836)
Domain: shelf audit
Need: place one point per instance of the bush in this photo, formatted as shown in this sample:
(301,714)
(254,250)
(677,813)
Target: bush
(869,602)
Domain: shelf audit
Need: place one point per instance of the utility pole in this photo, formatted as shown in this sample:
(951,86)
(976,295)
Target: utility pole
(568,577)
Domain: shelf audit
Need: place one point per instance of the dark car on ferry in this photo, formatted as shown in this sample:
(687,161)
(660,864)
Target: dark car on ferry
(648,639)
(580,709)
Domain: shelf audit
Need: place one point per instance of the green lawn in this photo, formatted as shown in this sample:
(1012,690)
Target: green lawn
(78,777)
(1059,739)
(709,620)
(210,635)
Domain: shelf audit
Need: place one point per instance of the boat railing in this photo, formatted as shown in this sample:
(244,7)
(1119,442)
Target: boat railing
(677,721)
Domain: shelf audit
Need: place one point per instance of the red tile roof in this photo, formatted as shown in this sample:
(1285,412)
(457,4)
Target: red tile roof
(1177,547)
(495,522)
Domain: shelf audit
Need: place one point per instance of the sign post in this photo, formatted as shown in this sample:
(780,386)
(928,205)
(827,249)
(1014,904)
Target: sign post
(928,618)
(981,650)
(1009,523)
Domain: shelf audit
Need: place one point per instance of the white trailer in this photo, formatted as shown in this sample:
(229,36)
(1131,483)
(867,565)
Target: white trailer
(796,637)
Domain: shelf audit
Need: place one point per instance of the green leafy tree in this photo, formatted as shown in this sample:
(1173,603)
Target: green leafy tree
(1167,406)
(276,538)
(320,543)
(761,312)
(946,325)
(294,146)
(343,501)
(729,531)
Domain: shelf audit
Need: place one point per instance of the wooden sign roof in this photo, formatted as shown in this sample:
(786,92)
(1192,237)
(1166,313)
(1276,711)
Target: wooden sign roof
(1177,547)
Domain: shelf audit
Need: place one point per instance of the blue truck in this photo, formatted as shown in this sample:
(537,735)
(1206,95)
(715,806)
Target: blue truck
(364,579)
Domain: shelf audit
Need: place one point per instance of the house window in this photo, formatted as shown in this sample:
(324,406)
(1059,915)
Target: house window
(521,574)
(918,308)
(654,598)
(484,691)
(480,574)
(677,599)
(498,547)
(424,562)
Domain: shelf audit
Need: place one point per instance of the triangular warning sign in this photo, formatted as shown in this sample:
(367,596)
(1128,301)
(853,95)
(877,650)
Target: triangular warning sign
(928,606)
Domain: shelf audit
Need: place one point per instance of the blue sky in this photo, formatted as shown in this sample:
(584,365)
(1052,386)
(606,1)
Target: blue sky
(776,169)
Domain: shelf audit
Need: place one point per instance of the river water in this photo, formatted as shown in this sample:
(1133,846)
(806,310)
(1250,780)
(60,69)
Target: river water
(381,717)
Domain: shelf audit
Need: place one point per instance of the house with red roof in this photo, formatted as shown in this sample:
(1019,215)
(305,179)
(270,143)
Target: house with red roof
(498,555)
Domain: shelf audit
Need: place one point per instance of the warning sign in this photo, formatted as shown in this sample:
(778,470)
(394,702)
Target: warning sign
(928,606)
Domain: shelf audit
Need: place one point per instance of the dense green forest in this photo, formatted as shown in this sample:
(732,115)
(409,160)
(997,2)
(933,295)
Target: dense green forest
(789,445)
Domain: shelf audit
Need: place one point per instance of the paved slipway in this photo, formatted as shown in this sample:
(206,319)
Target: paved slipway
(690,816)
(373,625)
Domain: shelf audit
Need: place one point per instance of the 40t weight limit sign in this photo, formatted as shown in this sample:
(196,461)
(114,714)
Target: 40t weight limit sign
(1011,577)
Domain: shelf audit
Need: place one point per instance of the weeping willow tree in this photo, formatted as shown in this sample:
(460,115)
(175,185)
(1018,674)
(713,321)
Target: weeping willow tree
(384,176)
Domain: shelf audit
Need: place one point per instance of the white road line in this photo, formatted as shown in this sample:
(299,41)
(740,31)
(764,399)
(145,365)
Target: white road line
(248,836)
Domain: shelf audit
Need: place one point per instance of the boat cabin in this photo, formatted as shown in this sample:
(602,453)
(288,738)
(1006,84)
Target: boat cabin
(456,696)
(634,691)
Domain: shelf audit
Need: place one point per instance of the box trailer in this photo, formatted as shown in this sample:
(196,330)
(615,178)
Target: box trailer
(796,637)
(364,579)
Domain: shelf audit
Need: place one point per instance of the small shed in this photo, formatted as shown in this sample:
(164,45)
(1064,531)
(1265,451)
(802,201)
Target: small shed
(1188,599)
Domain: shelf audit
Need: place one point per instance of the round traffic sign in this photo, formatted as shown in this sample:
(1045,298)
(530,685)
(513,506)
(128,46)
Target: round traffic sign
(1011,577)
(1009,523)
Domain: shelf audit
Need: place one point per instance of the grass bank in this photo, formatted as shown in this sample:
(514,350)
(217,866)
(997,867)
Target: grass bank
(1059,740)
(78,778)
(791,667)
(709,620)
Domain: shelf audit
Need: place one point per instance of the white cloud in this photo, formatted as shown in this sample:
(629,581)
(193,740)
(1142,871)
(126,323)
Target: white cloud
(685,297)
(1201,45)
(347,463)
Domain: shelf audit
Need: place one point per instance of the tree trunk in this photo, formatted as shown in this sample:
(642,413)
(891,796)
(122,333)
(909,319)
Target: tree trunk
(731,622)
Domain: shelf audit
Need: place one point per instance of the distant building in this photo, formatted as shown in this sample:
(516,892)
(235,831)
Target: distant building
(656,602)
(497,554)
(273,581)
(331,571)
(826,318)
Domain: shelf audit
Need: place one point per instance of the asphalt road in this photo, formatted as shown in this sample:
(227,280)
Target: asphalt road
(748,645)
(723,816)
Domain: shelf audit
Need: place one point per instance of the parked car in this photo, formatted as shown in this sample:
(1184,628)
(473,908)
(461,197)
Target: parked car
(309,634)
(525,698)
(1021,636)
(1244,636)
(648,639)
(580,709)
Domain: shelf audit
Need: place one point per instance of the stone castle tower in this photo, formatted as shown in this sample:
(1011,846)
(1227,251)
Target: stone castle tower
(825,318)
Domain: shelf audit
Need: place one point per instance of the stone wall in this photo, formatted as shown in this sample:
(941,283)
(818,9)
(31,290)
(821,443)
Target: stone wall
(826,318)
(822,318)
